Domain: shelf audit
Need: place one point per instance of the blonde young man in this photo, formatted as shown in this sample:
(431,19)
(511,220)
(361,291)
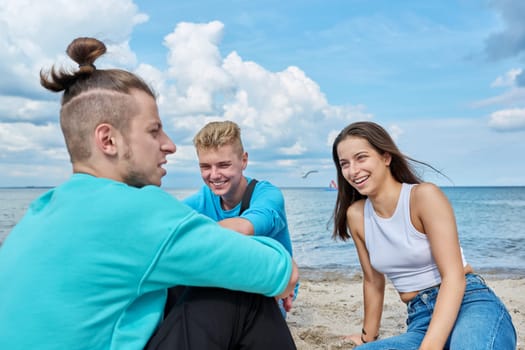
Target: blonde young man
(222,160)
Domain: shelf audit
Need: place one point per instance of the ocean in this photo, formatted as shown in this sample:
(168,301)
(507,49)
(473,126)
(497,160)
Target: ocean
(491,226)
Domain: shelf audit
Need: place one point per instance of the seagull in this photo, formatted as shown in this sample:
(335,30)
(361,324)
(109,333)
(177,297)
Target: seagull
(305,175)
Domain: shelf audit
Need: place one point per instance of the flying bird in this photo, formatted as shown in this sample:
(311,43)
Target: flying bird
(305,175)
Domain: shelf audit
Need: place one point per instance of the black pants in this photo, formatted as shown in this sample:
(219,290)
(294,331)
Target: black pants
(220,319)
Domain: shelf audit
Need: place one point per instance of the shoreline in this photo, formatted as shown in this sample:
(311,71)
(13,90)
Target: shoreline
(354,273)
(329,306)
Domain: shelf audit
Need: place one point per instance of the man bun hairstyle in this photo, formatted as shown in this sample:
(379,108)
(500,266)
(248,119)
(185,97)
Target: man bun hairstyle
(83,51)
(92,96)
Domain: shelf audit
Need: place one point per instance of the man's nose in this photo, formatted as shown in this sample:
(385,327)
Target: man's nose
(214,171)
(168,146)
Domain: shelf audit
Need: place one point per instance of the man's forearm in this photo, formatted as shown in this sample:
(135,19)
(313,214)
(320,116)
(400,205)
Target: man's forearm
(239,225)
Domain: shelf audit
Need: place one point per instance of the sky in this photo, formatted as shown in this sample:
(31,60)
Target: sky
(445,78)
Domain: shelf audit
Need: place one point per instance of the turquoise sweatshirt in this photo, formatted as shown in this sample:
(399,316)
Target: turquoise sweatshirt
(87,267)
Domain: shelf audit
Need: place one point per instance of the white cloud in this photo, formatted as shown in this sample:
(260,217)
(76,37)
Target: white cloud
(296,149)
(395,132)
(154,77)
(287,162)
(508,119)
(507,80)
(16,109)
(282,114)
(512,97)
(194,46)
(36,27)
(270,107)
(26,136)
(35,34)
(331,137)
(34,174)
(287,121)
(121,54)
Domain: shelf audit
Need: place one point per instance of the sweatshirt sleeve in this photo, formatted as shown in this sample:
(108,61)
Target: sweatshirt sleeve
(196,251)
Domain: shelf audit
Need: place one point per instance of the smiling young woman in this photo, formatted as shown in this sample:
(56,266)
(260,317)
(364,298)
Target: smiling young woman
(405,230)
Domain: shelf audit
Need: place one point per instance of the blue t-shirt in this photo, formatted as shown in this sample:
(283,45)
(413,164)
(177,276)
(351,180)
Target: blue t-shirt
(88,266)
(266,211)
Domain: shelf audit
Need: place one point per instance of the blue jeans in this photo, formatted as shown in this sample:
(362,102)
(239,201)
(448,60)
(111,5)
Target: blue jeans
(483,322)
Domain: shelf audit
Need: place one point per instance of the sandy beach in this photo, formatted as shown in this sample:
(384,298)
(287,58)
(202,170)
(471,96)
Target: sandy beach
(329,306)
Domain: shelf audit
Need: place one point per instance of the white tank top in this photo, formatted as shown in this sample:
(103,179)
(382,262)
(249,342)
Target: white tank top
(398,250)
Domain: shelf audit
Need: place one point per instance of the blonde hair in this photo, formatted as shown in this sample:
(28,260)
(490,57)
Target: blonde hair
(218,134)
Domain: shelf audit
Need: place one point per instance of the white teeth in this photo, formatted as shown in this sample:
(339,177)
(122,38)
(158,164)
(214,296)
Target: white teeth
(360,180)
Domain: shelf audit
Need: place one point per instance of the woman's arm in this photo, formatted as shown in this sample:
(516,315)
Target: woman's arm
(433,215)
(373,281)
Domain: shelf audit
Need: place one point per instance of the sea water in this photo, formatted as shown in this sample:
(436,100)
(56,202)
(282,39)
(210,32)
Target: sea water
(490,220)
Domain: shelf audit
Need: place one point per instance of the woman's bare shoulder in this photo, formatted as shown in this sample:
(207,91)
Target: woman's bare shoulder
(427,195)
(355,217)
(356,209)
(425,190)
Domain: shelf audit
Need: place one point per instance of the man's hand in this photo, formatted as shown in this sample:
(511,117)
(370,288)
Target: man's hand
(287,303)
(289,291)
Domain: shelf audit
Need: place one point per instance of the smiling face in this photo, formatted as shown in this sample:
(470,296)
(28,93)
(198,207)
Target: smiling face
(362,166)
(222,170)
(145,145)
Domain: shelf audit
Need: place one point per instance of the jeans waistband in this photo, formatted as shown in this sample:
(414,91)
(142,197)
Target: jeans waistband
(474,277)
(470,278)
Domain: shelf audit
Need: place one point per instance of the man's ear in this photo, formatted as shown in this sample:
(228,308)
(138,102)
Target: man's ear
(244,160)
(105,139)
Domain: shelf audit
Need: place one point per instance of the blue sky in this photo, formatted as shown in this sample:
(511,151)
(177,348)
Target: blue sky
(446,78)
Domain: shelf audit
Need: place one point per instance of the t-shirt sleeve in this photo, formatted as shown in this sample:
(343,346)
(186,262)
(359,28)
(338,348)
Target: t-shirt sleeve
(194,201)
(267,210)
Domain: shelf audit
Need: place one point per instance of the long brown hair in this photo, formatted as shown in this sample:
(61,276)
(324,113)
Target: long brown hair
(381,141)
(91,96)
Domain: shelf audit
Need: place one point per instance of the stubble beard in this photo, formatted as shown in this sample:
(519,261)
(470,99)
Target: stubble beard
(133,177)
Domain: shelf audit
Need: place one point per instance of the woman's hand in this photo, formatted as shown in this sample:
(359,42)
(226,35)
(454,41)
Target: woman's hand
(355,338)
